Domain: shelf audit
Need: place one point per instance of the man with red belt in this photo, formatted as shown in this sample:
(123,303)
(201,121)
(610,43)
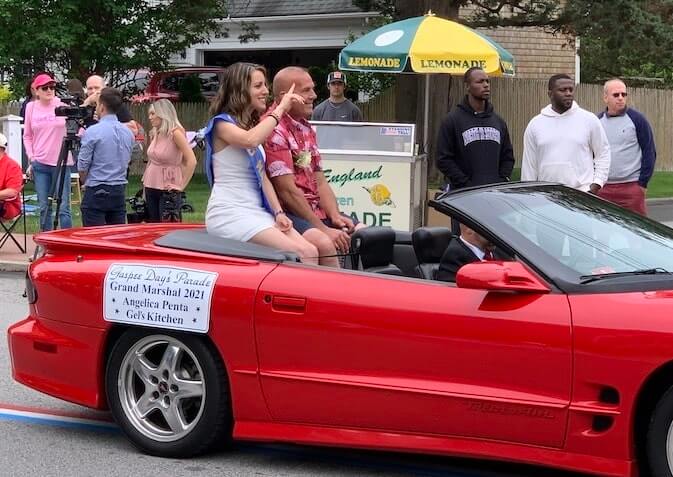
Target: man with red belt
(11,183)
(631,147)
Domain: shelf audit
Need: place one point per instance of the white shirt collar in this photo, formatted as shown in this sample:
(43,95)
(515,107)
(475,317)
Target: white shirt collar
(479,253)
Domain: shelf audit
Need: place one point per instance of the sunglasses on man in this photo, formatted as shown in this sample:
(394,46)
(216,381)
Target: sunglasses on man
(47,87)
(617,95)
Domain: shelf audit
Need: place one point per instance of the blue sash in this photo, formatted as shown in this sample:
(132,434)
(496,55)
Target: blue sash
(255,157)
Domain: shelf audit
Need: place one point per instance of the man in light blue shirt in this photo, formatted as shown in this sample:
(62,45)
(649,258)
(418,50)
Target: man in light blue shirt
(102,164)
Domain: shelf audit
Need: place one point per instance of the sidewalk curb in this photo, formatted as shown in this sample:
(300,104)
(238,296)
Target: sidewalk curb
(13,266)
(660,201)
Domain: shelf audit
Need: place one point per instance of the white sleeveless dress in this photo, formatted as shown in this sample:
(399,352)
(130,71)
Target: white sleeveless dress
(235,209)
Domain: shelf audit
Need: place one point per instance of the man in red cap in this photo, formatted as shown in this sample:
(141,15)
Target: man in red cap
(11,183)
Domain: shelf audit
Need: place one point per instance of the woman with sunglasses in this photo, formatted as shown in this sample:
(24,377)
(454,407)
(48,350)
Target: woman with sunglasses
(42,137)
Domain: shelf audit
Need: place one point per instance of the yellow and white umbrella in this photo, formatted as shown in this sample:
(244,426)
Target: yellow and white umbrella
(426,44)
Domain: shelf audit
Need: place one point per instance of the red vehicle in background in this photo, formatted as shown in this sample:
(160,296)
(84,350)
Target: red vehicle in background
(168,84)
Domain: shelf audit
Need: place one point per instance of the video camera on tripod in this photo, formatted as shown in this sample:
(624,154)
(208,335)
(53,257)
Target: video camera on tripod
(76,115)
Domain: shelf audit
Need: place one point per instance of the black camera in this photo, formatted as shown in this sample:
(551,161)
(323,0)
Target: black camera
(139,208)
(75,114)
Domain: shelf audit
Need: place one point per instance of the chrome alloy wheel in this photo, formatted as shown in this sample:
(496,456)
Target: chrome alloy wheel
(161,388)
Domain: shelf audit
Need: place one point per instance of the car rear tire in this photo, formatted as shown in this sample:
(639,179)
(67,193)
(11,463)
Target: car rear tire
(168,392)
(660,437)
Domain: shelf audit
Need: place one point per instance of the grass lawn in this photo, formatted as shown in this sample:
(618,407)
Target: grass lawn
(661,184)
(198,191)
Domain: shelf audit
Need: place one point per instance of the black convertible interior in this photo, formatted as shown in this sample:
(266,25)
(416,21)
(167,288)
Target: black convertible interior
(374,249)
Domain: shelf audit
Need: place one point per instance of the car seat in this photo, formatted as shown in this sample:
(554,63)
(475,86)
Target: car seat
(374,246)
(429,245)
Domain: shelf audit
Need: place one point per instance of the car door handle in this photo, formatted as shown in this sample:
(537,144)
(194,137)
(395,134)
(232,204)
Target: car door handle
(288,304)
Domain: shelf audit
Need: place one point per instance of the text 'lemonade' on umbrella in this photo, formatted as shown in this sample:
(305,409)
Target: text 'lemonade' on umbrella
(426,44)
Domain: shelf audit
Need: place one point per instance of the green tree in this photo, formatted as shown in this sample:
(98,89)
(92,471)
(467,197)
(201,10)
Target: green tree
(82,37)
(625,38)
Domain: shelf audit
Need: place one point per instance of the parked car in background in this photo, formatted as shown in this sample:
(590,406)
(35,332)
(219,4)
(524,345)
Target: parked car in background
(132,82)
(171,83)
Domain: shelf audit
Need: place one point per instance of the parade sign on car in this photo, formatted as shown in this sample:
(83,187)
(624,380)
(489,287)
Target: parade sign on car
(162,297)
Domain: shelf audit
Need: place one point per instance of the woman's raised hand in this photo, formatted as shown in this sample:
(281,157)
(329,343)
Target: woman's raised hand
(290,97)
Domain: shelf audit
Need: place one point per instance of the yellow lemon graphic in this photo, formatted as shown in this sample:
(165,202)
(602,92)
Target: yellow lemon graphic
(380,195)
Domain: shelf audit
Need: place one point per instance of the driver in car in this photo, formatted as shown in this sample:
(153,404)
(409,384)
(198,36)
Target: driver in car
(467,248)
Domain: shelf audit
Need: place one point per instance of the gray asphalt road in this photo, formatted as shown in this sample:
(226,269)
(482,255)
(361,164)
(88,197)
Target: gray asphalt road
(41,448)
(661,210)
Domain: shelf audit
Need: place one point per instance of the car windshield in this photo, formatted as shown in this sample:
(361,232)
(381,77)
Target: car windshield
(552,225)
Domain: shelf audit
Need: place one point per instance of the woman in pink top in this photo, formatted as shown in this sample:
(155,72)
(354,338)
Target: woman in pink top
(43,134)
(171,160)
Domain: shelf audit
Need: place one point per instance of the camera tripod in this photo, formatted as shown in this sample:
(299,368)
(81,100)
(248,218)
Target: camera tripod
(70,144)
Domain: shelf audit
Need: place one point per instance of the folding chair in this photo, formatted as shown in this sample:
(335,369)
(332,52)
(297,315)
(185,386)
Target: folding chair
(9,226)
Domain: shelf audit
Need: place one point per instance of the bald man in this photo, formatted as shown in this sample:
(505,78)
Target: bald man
(295,169)
(631,147)
(94,85)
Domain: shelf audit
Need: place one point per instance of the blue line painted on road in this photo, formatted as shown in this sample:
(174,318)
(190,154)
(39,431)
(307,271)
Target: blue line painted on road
(305,454)
(59,421)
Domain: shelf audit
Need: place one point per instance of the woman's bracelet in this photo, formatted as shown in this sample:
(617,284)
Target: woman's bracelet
(275,116)
(279,212)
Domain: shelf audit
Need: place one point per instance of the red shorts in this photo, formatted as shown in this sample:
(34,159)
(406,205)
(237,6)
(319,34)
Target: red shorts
(627,194)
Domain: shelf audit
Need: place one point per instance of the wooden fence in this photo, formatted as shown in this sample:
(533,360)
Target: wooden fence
(381,108)
(519,100)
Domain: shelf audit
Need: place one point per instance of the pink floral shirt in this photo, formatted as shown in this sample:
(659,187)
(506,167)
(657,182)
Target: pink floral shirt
(292,148)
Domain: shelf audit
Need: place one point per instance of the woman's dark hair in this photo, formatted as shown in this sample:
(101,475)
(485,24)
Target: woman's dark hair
(233,96)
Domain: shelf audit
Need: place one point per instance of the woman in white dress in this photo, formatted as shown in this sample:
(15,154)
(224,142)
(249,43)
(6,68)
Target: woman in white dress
(243,204)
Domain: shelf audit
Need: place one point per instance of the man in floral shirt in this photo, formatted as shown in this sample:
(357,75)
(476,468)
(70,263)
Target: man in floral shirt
(294,166)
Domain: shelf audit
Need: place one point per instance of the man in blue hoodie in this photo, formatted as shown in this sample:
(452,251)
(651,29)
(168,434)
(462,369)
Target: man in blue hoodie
(631,147)
(473,146)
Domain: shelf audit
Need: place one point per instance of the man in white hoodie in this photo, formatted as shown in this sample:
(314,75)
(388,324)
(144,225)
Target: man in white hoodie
(565,143)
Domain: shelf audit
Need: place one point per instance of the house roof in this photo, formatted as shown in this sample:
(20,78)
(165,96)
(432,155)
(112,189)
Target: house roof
(272,8)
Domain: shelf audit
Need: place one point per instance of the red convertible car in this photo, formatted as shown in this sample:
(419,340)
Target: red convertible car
(559,353)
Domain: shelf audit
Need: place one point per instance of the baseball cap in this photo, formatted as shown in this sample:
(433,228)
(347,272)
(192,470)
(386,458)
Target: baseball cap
(336,76)
(41,80)
(3,141)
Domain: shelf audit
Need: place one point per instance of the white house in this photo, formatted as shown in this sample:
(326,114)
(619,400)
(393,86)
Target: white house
(308,32)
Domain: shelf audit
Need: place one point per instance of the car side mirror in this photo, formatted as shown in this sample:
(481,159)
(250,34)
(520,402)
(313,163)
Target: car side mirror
(499,276)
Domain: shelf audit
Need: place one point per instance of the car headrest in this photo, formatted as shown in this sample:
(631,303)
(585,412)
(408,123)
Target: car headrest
(374,245)
(430,243)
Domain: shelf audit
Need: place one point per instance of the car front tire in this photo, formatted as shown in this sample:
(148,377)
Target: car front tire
(168,392)
(660,438)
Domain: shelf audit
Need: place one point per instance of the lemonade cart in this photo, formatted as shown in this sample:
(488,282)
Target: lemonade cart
(374,171)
